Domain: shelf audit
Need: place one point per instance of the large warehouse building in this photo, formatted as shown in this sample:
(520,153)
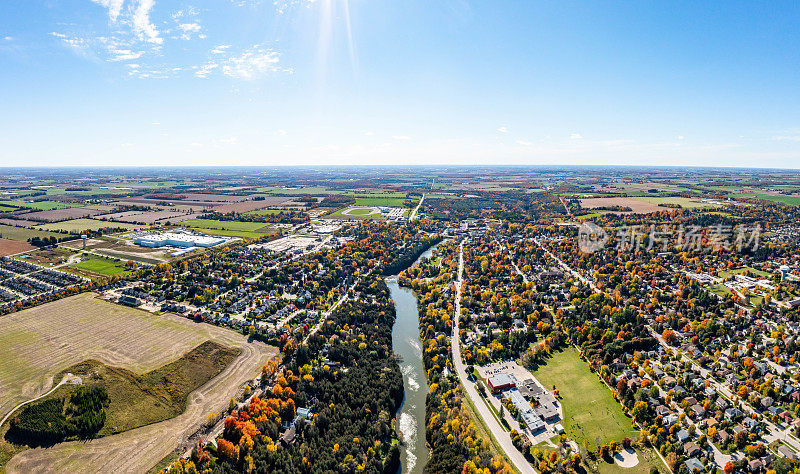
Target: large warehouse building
(172,239)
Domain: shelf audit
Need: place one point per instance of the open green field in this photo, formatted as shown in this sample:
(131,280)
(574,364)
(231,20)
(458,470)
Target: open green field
(21,233)
(4,208)
(783,199)
(720,290)
(590,411)
(228,225)
(101,266)
(380,202)
(41,205)
(737,271)
(685,203)
(235,233)
(79,225)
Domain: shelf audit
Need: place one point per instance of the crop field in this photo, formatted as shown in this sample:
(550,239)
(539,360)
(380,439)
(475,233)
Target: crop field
(10,247)
(23,234)
(57,215)
(4,208)
(590,411)
(79,225)
(41,205)
(686,203)
(380,202)
(40,342)
(101,266)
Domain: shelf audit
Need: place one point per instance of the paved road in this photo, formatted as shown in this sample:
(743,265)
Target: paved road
(503,438)
(416,209)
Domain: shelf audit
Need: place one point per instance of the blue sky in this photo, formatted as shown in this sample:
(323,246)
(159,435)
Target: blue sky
(266,82)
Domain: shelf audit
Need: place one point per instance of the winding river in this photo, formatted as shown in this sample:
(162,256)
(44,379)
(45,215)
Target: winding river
(406,343)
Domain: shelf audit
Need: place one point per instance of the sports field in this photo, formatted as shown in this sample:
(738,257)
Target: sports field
(590,411)
(101,266)
(358,213)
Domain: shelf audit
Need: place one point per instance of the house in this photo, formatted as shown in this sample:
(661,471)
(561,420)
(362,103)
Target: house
(694,465)
(288,437)
(755,465)
(683,436)
(691,449)
(697,410)
(732,413)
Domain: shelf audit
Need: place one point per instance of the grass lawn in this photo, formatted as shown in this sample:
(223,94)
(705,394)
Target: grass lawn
(4,208)
(590,412)
(720,290)
(228,225)
(380,202)
(235,233)
(41,205)
(101,265)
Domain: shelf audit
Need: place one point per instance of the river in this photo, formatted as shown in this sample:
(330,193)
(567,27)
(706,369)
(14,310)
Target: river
(406,343)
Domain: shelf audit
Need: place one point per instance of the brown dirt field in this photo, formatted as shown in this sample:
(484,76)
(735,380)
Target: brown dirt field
(57,215)
(637,207)
(142,448)
(9,247)
(18,222)
(37,343)
(269,201)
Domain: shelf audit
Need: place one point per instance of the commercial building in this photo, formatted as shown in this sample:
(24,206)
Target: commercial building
(500,382)
(173,239)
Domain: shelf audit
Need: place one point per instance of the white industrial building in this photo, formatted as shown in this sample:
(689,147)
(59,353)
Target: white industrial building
(172,239)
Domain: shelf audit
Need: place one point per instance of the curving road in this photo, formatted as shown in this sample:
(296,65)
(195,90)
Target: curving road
(503,439)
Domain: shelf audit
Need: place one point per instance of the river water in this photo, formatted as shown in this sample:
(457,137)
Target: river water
(406,343)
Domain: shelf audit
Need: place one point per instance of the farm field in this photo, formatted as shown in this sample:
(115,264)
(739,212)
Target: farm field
(37,343)
(23,234)
(640,205)
(10,247)
(4,208)
(101,266)
(41,205)
(686,203)
(79,225)
(57,215)
(57,335)
(780,198)
(590,412)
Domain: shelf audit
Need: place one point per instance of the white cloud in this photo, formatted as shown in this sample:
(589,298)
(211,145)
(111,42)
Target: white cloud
(220,49)
(188,29)
(76,43)
(575,136)
(524,143)
(787,138)
(680,137)
(8,38)
(204,70)
(142,25)
(253,63)
(502,129)
(124,54)
(369,134)
(401,137)
(114,7)
(156,123)
(280,132)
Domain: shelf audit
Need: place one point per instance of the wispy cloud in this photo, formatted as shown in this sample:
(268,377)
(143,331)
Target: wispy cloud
(142,25)
(188,29)
(254,63)
(114,8)
(220,49)
(575,136)
(502,129)
(524,143)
